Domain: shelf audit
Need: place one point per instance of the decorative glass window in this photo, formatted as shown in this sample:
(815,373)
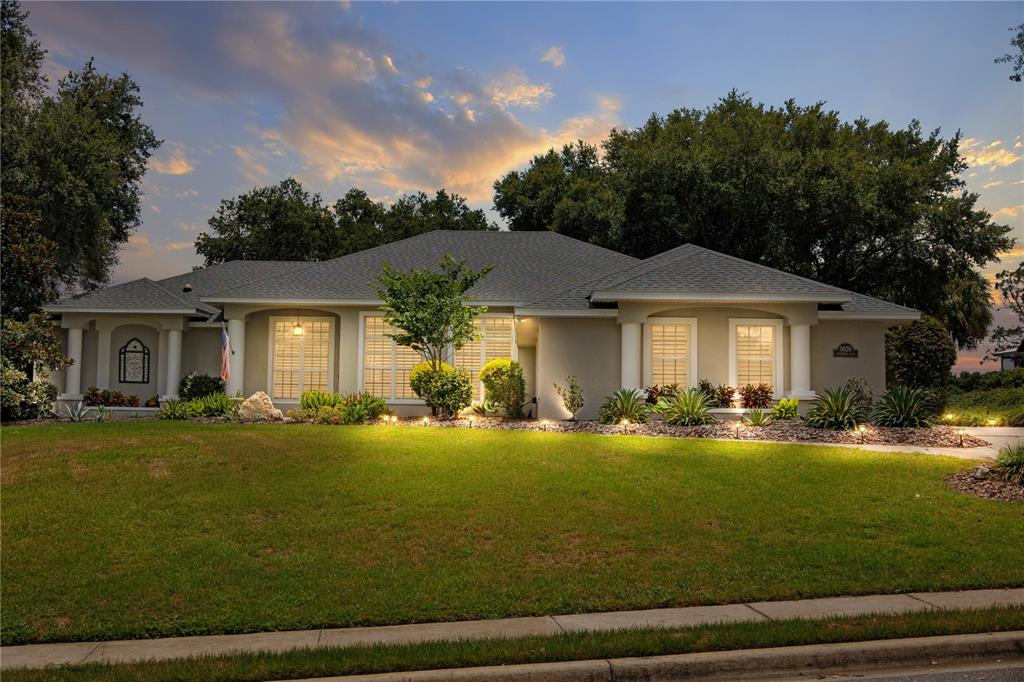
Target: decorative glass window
(756,353)
(133,363)
(386,365)
(496,340)
(300,362)
(670,351)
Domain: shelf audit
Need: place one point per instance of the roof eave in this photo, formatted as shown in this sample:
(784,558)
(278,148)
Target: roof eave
(126,311)
(895,316)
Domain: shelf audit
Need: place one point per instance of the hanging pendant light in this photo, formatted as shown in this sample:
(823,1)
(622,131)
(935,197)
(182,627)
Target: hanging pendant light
(297,329)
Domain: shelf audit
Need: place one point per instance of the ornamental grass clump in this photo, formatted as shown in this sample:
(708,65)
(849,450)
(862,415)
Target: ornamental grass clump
(175,409)
(1009,465)
(903,406)
(757,418)
(625,404)
(687,407)
(836,408)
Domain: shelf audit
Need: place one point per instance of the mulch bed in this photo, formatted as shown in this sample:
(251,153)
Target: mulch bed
(795,430)
(969,483)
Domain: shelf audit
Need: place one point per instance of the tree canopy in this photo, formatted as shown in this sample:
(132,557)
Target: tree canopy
(285,222)
(1010,285)
(1015,58)
(73,161)
(859,205)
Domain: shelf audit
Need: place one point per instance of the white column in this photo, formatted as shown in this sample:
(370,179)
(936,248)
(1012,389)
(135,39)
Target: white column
(103,359)
(173,361)
(236,382)
(73,374)
(800,362)
(161,363)
(631,355)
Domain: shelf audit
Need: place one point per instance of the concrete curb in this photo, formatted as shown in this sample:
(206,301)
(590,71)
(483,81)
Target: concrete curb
(816,658)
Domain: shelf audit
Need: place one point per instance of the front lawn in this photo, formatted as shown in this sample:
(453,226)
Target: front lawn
(160,528)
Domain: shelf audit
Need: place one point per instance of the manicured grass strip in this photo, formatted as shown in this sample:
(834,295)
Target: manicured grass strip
(124,530)
(569,647)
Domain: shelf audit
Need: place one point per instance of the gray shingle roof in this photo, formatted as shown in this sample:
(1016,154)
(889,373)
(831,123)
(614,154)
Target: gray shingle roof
(532,269)
(140,294)
(526,264)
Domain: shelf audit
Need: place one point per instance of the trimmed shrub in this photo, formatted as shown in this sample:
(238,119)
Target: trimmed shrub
(1009,465)
(445,390)
(786,409)
(195,385)
(718,396)
(757,417)
(175,409)
(625,403)
(688,407)
(505,385)
(986,381)
(22,398)
(759,396)
(571,396)
(903,406)
(836,408)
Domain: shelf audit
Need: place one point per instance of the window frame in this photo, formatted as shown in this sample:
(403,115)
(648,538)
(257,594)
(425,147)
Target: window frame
(778,361)
(692,341)
(450,356)
(331,367)
(478,386)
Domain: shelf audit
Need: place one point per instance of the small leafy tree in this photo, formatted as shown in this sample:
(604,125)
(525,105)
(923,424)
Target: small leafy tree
(571,395)
(427,308)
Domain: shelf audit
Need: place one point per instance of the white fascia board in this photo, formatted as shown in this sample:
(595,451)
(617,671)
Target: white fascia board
(566,312)
(843,315)
(125,311)
(611,296)
(291,302)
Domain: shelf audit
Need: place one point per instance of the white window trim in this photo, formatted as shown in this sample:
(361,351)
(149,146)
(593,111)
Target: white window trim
(779,368)
(477,384)
(416,401)
(692,341)
(270,354)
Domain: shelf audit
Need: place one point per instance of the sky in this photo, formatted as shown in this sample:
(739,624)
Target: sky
(400,97)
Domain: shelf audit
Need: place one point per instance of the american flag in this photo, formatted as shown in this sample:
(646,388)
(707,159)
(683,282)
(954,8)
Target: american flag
(225,354)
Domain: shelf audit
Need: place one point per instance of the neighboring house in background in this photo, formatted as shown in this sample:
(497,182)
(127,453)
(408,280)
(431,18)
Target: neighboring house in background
(558,305)
(1011,358)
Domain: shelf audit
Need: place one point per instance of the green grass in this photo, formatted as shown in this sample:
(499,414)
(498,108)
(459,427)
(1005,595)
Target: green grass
(570,647)
(977,408)
(121,530)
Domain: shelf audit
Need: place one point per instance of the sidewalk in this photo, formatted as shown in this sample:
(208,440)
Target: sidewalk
(40,655)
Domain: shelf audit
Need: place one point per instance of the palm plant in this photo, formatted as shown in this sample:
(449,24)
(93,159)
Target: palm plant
(688,407)
(625,404)
(903,406)
(836,408)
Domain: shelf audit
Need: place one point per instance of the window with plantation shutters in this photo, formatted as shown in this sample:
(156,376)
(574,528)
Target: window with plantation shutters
(496,339)
(386,365)
(755,348)
(300,362)
(670,354)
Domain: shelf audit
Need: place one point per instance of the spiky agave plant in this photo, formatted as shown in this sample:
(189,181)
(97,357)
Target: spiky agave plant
(903,406)
(757,417)
(836,408)
(688,407)
(625,403)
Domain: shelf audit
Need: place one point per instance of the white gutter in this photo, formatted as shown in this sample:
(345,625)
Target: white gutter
(612,296)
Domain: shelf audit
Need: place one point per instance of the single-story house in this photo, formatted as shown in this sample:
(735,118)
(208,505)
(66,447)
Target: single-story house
(1011,358)
(558,305)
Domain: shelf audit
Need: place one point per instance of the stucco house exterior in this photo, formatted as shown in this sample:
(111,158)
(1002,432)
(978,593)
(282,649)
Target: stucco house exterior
(558,305)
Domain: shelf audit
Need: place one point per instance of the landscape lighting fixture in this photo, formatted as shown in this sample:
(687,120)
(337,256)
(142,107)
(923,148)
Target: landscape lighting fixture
(625,425)
(394,419)
(863,432)
(426,420)
(961,433)
(948,416)
(544,424)
(472,419)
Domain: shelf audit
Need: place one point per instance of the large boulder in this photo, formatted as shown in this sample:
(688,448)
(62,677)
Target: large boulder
(259,408)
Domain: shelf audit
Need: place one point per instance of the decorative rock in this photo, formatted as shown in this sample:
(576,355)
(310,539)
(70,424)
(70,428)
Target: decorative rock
(259,408)
(981,473)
